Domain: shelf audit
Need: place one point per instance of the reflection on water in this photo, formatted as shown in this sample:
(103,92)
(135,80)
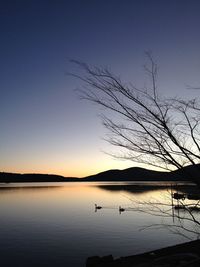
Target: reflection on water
(56,224)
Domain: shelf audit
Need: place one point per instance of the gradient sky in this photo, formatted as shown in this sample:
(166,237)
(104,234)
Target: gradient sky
(45,127)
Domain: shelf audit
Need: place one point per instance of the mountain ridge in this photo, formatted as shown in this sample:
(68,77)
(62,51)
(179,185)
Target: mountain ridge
(129,174)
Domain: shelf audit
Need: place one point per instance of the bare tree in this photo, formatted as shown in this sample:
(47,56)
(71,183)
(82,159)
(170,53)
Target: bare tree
(149,128)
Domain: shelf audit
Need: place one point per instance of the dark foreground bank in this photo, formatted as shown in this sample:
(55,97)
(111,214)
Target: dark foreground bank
(182,255)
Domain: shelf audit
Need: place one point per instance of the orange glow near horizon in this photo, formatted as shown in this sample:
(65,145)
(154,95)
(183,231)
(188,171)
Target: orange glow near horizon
(79,169)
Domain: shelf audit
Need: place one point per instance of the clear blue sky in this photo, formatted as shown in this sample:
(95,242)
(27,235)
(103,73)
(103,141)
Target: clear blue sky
(44,126)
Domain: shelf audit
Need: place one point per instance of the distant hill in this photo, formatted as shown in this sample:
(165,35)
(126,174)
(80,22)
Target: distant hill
(6,177)
(189,173)
(132,174)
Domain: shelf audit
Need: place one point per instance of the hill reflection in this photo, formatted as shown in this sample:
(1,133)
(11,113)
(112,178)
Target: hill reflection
(144,188)
(29,187)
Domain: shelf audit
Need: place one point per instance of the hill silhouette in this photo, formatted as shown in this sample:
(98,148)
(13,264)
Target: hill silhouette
(132,174)
(6,177)
(189,173)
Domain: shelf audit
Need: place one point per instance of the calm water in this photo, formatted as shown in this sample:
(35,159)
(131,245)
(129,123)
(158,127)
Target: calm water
(56,225)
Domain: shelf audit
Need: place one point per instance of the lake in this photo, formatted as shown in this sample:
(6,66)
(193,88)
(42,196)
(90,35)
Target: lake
(55,224)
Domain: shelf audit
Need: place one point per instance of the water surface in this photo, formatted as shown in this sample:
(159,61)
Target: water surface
(56,224)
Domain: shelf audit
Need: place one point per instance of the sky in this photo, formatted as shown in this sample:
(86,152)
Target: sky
(45,127)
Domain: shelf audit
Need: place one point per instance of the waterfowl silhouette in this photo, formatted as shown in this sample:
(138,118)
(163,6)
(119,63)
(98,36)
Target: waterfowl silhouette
(97,207)
(121,209)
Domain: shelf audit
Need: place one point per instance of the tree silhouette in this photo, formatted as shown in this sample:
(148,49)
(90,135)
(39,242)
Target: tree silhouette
(149,128)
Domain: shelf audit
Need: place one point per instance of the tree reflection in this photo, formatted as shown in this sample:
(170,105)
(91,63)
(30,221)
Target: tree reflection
(178,207)
(179,215)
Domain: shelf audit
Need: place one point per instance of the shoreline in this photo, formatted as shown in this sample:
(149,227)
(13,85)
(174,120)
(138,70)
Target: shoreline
(184,254)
